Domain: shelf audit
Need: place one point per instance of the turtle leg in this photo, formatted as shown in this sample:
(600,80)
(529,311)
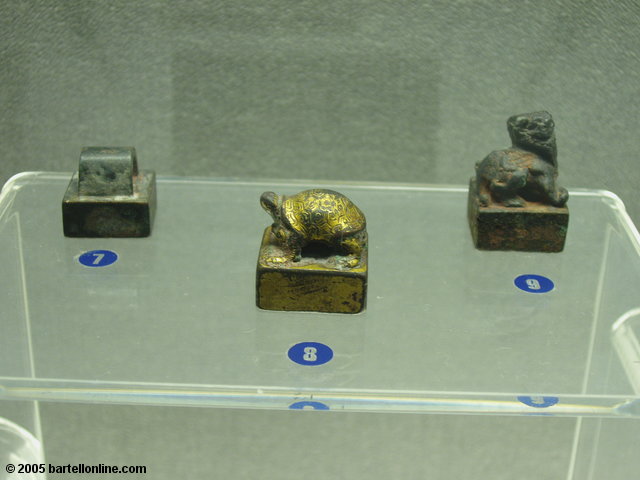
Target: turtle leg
(289,247)
(295,249)
(353,245)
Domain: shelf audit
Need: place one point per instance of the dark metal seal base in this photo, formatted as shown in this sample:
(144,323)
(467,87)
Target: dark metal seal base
(311,284)
(110,216)
(532,228)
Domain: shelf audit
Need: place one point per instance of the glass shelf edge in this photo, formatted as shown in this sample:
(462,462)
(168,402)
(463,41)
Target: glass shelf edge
(281,398)
(320,182)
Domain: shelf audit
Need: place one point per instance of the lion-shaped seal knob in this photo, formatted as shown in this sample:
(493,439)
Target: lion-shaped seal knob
(317,215)
(527,171)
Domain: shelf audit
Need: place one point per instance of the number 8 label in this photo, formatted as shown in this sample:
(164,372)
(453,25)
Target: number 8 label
(310,353)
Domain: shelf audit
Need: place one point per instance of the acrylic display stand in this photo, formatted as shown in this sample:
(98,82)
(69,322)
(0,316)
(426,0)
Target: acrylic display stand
(171,319)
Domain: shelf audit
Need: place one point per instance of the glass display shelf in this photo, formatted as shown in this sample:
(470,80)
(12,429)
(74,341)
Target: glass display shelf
(446,329)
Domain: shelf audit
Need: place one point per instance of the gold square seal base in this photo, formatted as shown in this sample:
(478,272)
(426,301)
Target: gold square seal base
(312,284)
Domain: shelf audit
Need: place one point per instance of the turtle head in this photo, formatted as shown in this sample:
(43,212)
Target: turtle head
(271,203)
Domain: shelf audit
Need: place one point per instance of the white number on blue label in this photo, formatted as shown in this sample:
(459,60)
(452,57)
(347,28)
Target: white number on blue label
(310,353)
(534,283)
(539,402)
(98,258)
(308,405)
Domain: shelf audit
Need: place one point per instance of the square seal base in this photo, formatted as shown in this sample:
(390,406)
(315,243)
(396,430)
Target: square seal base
(110,216)
(533,228)
(312,284)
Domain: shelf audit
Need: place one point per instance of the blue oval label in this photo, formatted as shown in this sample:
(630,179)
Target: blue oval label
(534,283)
(308,405)
(310,353)
(98,258)
(539,402)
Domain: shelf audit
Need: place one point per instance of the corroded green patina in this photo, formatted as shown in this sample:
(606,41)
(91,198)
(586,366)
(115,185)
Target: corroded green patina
(108,196)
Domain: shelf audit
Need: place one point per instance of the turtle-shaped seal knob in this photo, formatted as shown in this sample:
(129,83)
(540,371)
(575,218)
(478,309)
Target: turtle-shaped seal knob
(317,215)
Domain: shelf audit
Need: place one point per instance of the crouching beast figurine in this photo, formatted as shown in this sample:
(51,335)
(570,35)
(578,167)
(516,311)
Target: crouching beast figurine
(527,171)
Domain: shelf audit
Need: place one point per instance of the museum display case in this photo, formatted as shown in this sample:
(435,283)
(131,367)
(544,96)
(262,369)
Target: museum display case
(491,338)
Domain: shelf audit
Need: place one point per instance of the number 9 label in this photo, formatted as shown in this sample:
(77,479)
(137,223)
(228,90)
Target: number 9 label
(310,353)
(534,283)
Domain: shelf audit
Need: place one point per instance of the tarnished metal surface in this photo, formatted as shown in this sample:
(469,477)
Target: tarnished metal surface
(314,255)
(527,171)
(108,196)
(534,228)
(514,200)
(107,171)
(310,284)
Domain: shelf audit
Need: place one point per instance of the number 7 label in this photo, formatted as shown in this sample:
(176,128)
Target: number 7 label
(98,258)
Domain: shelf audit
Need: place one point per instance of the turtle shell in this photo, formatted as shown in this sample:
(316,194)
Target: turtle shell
(322,215)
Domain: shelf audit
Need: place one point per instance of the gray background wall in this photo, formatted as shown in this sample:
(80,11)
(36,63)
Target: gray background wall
(394,91)
(350,90)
